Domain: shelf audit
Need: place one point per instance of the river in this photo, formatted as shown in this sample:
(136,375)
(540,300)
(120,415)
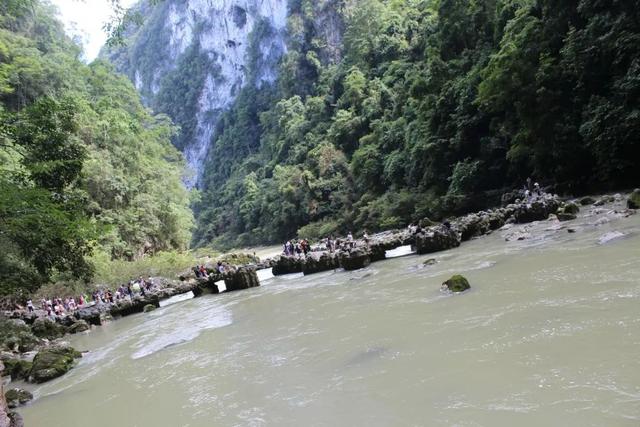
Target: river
(548,335)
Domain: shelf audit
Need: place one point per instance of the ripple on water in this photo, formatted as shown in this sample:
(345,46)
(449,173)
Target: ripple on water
(180,327)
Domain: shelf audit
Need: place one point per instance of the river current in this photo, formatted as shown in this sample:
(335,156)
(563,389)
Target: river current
(549,335)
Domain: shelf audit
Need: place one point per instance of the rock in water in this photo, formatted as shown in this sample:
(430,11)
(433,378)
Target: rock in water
(149,307)
(52,363)
(79,326)
(90,314)
(568,211)
(354,260)
(317,264)
(243,278)
(571,208)
(456,284)
(17,396)
(614,235)
(430,261)
(46,328)
(287,265)
(436,239)
(586,201)
(634,199)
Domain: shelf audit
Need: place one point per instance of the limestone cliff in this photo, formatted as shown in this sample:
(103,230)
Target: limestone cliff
(190,58)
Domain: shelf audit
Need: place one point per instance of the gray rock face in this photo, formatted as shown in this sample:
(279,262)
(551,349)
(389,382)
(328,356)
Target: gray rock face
(355,260)
(46,328)
(538,210)
(79,326)
(287,265)
(90,314)
(437,239)
(317,263)
(243,278)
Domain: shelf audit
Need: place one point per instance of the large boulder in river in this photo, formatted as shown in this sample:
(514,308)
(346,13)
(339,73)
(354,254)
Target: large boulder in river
(242,278)
(456,283)
(92,315)
(436,239)
(354,259)
(568,211)
(47,328)
(316,263)
(79,326)
(17,396)
(538,210)
(633,202)
(53,363)
(287,265)
(473,225)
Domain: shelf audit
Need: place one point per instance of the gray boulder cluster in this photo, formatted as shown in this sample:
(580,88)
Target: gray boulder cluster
(426,238)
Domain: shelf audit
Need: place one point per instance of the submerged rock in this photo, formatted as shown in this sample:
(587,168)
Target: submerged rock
(608,237)
(563,216)
(430,261)
(52,363)
(17,396)
(633,202)
(586,201)
(148,308)
(456,284)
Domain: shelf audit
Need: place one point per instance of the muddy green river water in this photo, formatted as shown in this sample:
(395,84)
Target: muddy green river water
(549,335)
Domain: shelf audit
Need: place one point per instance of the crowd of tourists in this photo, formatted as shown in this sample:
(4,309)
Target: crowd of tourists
(202,272)
(59,307)
(302,247)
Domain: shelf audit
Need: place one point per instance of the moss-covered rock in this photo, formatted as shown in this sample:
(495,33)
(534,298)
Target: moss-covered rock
(18,369)
(570,208)
(47,328)
(586,201)
(17,396)
(633,202)
(564,216)
(79,326)
(52,363)
(456,283)
(16,336)
(148,308)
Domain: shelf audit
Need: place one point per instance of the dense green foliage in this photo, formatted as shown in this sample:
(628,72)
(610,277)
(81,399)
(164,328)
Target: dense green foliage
(84,167)
(433,108)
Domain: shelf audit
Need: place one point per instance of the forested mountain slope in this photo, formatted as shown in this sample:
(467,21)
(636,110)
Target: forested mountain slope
(84,167)
(384,112)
